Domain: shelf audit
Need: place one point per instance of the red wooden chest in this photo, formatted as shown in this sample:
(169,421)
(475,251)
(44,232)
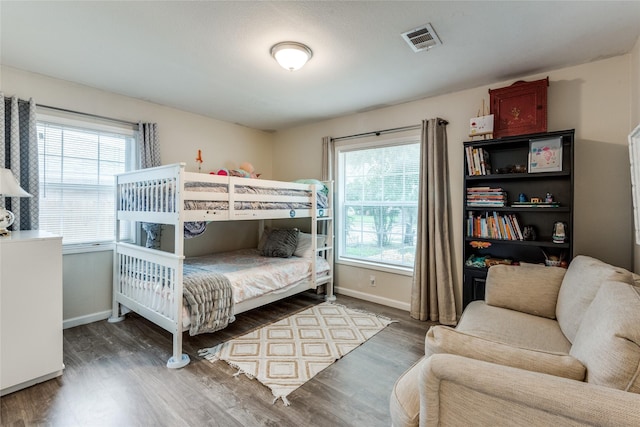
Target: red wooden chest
(519,109)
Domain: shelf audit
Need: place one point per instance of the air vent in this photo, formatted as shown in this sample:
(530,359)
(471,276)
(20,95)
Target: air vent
(421,38)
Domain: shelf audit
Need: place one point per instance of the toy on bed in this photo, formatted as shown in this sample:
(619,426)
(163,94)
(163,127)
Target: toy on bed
(245,170)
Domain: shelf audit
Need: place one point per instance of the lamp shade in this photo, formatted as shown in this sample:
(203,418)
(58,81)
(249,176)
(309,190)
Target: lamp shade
(291,55)
(9,186)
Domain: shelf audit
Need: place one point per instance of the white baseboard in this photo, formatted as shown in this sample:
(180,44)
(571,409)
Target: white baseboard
(83,320)
(373,298)
(95,317)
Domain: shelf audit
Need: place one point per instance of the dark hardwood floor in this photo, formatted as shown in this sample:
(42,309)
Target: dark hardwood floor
(116,376)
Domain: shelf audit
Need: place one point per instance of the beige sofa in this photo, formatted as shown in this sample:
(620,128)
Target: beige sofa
(547,346)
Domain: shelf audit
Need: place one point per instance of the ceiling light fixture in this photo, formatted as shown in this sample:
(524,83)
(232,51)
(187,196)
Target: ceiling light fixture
(291,55)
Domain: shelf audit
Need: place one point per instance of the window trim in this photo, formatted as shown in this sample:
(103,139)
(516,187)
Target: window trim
(408,137)
(378,266)
(82,248)
(96,124)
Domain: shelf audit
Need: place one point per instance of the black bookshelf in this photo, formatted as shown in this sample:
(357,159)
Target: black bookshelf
(500,158)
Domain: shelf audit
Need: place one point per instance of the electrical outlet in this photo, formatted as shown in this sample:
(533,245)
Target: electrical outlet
(372,280)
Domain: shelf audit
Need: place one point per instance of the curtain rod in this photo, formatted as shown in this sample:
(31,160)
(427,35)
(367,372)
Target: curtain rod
(95,116)
(380,132)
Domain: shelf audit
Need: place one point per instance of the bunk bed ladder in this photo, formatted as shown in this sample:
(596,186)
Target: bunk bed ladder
(326,217)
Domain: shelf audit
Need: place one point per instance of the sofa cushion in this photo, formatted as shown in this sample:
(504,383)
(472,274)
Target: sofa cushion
(529,288)
(513,327)
(442,339)
(579,286)
(608,340)
(405,398)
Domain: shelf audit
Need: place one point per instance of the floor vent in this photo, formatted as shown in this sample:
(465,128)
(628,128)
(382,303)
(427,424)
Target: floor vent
(421,38)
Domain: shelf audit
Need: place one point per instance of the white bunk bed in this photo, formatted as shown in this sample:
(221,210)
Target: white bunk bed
(170,195)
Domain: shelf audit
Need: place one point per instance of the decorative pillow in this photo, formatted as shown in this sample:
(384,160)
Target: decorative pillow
(305,244)
(281,243)
(608,340)
(527,288)
(580,286)
(264,237)
(442,339)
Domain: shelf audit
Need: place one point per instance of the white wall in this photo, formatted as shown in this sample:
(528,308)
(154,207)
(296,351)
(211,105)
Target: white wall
(595,99)
(592,98)
(87,277)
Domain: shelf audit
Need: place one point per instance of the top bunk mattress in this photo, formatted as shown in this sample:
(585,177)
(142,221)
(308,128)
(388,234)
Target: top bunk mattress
(160,197)
(252,205)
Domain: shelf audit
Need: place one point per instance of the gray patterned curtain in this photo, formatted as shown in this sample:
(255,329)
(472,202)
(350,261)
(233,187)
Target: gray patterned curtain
(148,145)
(432,296)
(148,157)
(20,154)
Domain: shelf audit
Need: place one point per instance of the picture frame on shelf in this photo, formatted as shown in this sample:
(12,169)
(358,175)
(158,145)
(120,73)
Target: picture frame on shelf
(545,155)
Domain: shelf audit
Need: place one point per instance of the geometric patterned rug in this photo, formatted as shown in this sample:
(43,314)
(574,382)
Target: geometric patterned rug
(285,354)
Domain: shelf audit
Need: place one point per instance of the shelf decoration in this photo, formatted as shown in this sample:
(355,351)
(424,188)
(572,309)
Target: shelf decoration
(545,155)
(519,109)
(199,160)
(481,125)
(479,244)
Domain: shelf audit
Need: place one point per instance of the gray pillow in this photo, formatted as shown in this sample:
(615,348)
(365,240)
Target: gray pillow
(264,237)
(281,243)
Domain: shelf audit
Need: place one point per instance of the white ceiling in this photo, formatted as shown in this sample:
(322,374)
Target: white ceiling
(213,58)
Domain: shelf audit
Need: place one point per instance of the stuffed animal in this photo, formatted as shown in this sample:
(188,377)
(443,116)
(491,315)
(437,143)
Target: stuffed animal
(245,170)
(249,169)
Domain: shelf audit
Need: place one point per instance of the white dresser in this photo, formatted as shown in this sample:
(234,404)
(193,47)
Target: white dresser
(30,309)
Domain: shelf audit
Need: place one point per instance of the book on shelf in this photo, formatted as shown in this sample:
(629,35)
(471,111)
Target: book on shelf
(494,226)
(477,161)
(517,227)
(513,234)
(486,197)
(484,162)
(468,156)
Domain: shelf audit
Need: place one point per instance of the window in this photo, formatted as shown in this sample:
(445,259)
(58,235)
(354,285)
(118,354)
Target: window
(78,162)
(378,203)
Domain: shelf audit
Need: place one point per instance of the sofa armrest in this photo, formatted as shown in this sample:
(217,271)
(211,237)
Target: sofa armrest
(528,288)
(445,340)
(456,390)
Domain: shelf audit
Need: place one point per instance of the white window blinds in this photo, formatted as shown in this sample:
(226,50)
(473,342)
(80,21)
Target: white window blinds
(77,168)
(378,188)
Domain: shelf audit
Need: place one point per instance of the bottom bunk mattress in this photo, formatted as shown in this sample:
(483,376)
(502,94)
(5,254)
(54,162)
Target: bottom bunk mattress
(253,275)
(245,272)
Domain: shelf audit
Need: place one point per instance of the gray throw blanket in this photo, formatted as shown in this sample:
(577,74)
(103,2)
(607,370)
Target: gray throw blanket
(209,296)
